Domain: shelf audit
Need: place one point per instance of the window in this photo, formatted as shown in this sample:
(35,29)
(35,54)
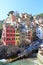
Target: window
(10,30)
(7,39)
(28,34)
(13,34)
(16,38)
(7,35)
(17,35)
(7,30)
(10,34)
(13,38)
(11,26)
(23,36)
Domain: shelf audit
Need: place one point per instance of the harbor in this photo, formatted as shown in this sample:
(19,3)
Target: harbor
(24,61)
(21,39)
(21,32)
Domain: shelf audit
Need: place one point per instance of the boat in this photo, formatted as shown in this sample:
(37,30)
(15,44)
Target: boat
(40,55)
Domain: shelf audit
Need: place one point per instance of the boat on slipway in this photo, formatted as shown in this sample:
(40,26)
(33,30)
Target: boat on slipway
(40,55)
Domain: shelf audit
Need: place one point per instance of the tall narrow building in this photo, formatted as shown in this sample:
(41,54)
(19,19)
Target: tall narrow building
(8,33)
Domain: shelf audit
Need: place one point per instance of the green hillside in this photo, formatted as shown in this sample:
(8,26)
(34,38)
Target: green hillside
(1,25)
(40,15)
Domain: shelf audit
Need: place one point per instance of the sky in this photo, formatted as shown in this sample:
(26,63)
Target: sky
(33,7)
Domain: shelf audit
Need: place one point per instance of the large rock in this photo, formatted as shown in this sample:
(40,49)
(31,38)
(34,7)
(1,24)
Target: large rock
(8,51)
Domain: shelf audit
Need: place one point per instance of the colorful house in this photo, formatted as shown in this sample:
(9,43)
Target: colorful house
(12,33)
(8,33)
(17,37)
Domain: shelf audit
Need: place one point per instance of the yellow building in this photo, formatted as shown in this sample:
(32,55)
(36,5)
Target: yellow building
(17,38)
